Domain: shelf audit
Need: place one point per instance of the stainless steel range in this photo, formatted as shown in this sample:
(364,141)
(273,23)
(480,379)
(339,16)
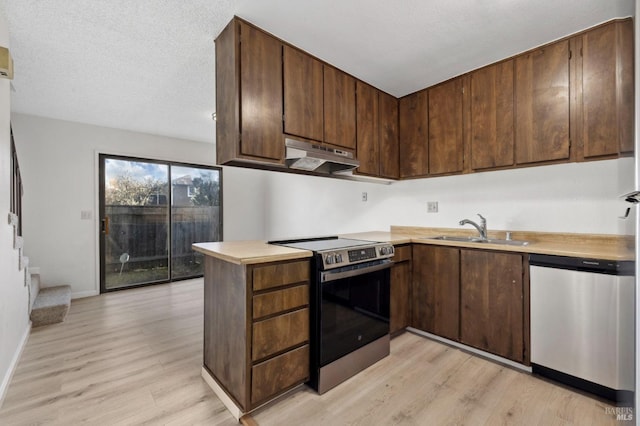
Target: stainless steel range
(349,306)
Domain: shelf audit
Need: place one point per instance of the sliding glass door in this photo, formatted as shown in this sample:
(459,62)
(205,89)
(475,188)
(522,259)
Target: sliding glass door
(151,212)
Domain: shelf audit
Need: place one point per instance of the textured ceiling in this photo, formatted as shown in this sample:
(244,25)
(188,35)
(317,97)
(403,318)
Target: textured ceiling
(148,65)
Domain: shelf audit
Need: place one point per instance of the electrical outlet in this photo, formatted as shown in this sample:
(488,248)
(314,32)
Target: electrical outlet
(432,207)
(85,214)
(364,196)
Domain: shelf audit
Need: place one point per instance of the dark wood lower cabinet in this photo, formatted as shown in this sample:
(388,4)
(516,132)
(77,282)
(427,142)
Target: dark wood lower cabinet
(436,290)
(491,302)
(256,328)
(476,297)
(401,289)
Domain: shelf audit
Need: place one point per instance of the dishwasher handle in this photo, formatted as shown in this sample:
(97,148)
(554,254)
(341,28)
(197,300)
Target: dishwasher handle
(598,266)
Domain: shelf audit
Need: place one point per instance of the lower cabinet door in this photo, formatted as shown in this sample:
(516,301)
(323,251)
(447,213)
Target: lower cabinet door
(278,374)
(436,290)
(491,302)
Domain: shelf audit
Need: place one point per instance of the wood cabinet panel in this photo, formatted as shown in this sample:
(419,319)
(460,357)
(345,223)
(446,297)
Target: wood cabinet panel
(445,128)
(227,93)
(491,302)
(303,95)
(271,377)
(491,116)
(436,290)
(400,308)
(607,89)
(414,147)
(542,104)
(280,300)
(280,274)
(225,326)
(402,253)
(339,108)
(261,94)
(388,136)
(368,151)
(276,334)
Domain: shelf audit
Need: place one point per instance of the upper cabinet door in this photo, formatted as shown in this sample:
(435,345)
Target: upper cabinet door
(607,89)
(491,116)
(368,152)
(445,128)
(542,104)
(388,136)
(414,145)
(339,108)
(261,94)
(303,95)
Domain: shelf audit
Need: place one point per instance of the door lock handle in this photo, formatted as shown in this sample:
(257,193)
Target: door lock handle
(105,226)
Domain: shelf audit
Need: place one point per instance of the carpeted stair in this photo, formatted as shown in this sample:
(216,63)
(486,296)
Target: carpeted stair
(51,305)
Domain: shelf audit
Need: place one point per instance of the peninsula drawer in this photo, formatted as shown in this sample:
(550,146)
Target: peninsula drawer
(280,274)
(277,301)
(280,373)
(402,253)
(279,333)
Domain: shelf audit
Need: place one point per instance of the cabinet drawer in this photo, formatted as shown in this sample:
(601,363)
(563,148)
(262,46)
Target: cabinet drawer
(280,300)
(279,333)
(277,374)
(280,274)
(402,253)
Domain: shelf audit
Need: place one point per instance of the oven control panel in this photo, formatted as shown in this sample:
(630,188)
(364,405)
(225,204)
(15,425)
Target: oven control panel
(349,256)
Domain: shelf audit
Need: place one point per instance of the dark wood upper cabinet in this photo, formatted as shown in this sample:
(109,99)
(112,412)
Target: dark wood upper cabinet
(368,152)
(303,95)
(414,143)
(248,95)
(491,302)
(436,290)
(445,128)
(491,116)
(542,104)
(388,135)
(261,94)
(377,132)
(339,108)
(607,90)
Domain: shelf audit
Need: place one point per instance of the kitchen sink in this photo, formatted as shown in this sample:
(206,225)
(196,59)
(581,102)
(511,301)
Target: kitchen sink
(479,240)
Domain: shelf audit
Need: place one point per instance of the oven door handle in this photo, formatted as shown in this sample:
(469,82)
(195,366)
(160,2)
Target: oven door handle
(338,275)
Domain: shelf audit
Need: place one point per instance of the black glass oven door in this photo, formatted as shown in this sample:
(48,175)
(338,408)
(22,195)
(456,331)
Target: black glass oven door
(354,312)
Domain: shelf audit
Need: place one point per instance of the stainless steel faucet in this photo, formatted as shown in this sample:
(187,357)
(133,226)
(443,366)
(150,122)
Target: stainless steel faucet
(482,228)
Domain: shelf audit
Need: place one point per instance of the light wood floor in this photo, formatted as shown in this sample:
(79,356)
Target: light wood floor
(134,357)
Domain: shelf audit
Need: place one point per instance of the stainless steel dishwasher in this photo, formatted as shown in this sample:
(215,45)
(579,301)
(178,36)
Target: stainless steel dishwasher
(582,323)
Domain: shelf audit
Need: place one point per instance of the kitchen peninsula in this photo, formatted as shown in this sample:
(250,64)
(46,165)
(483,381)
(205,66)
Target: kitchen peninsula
(256,331)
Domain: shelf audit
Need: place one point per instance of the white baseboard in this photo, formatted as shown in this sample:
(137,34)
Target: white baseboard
(235,411)
(464,347)
(4,386)
(86,293)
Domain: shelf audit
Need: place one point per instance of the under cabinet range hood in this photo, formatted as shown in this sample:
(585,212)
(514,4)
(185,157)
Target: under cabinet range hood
(306,156)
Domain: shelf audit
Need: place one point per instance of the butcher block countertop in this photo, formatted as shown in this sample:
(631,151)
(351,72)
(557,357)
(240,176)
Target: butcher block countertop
(249,252)
(609,247)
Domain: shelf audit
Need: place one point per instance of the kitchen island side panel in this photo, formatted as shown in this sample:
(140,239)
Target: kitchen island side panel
(225,326)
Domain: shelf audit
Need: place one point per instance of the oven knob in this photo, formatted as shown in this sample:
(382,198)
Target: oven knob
(338,258)
(329,259)
(384,250)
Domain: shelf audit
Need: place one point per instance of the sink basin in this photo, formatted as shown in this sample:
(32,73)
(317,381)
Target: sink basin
(478,240)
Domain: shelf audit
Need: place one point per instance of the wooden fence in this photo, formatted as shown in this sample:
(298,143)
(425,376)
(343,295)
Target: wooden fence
(142,233)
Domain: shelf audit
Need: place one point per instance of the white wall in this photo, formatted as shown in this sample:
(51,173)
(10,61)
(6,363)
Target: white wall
(576,197)
(60,170)
(14,297)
